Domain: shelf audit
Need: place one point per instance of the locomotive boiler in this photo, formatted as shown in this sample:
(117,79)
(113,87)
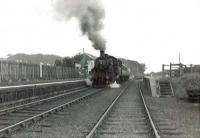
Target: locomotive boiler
(107,70)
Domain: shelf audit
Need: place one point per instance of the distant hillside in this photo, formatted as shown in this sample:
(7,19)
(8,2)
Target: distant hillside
(34,58)
(135,67)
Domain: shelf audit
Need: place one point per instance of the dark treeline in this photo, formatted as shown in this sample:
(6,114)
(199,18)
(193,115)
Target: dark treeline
(33,58)
(136,68)
(69,61)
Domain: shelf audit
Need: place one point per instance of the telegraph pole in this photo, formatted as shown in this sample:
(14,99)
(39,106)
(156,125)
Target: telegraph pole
(180,65)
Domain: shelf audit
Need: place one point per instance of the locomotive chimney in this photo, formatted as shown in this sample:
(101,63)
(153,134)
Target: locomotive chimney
(102,53)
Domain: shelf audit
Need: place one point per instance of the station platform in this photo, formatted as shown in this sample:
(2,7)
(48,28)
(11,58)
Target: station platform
(24,83)
(152,85)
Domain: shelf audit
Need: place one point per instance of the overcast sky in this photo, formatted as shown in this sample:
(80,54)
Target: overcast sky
(149,31)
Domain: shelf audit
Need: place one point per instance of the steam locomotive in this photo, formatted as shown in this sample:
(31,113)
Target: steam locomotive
(108,69)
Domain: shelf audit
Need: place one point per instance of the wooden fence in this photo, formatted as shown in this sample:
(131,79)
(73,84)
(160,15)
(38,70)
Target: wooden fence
(176,70)
(13,71)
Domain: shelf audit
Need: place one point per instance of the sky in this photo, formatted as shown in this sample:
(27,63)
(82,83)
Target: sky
(151,32)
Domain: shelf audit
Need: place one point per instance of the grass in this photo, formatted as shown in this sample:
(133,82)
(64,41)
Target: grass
(186,81)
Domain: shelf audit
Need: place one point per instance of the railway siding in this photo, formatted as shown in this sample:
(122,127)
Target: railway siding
(21,118)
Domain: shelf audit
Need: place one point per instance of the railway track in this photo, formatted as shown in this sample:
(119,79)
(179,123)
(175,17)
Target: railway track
(40,101)
(75,121)
(127,116)
(15,118)
(167,126)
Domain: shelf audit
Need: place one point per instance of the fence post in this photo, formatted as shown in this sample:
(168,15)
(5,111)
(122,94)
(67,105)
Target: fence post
(170,70)
(180,69)
(41,70)
(0,72)
(163,70)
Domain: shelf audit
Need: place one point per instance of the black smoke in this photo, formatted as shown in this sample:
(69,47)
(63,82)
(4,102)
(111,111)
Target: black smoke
(89,14)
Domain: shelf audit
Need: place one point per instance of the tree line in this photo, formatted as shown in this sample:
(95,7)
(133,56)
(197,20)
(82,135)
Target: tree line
(69,61)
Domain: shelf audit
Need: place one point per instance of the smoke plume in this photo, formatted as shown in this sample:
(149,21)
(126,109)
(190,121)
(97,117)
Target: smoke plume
(89,14)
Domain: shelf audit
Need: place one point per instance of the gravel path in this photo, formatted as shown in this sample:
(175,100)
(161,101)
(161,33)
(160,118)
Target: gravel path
(72,122)
(175,118)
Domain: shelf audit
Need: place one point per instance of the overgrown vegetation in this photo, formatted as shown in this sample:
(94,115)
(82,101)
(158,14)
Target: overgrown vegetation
(136,68)
(187,81)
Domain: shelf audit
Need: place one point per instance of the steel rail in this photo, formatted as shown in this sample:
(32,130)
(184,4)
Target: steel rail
(5,131)
(149,115)
(38,84)
(4,111)
(100,121)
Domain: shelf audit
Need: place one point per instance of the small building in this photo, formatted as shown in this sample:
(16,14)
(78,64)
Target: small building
(87,63)
(90,65)
(77,66)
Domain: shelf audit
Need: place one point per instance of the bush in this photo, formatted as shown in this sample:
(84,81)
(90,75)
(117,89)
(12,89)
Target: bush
(187,81)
